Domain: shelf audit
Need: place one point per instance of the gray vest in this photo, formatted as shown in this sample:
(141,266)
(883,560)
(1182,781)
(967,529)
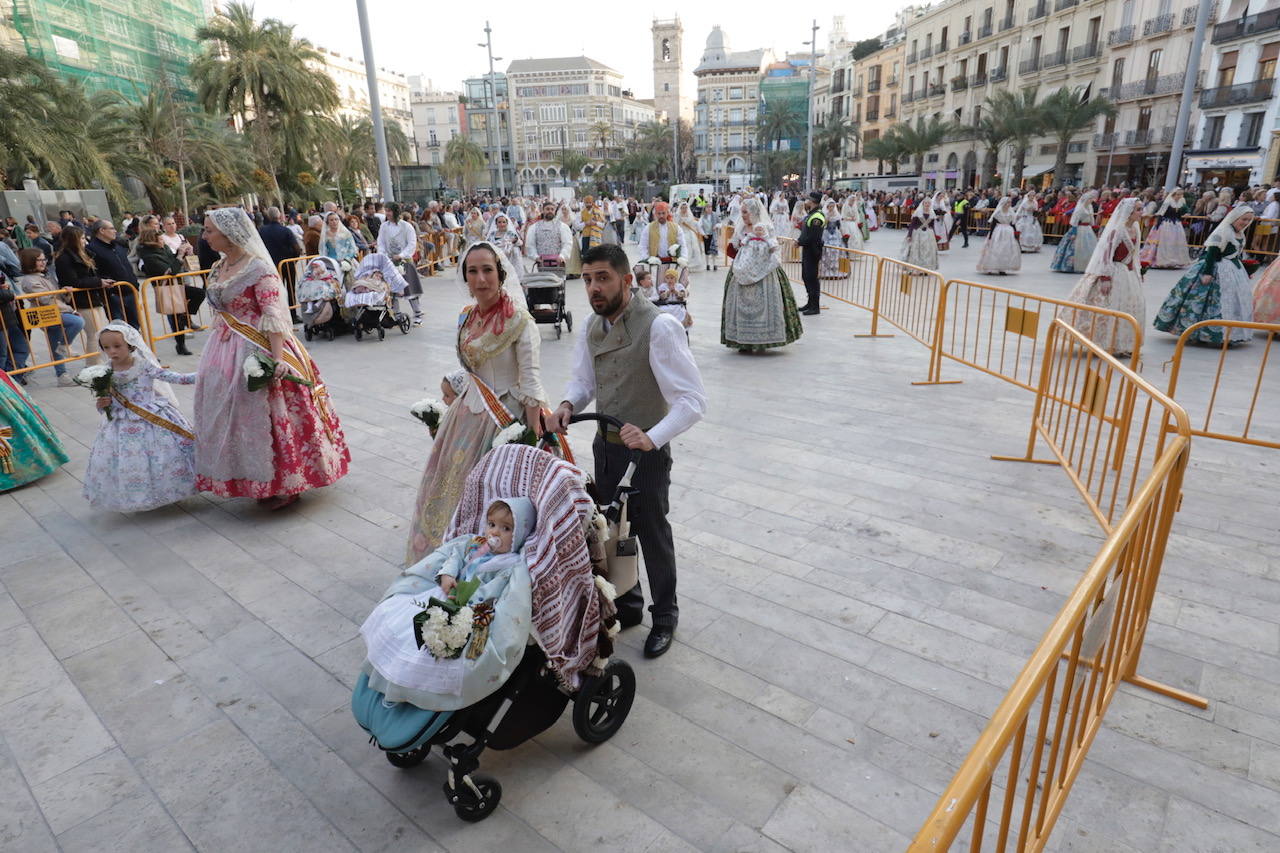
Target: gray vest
(625,384)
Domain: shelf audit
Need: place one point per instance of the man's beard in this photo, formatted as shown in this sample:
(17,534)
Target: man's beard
(548,216)
(609,309)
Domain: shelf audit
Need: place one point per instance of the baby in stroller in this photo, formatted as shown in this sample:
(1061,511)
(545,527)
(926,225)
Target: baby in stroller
(673,295)
(372,303)
(318,295)
(410,659)
(530,568)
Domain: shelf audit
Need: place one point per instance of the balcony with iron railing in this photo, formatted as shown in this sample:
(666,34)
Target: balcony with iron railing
(1167,84)
(1086,51)
(1055,59)
(911,96)
(913,57)
(873,115)
(984,31)
(1254,92)
(1122,35)
(1189,14)
(1038,11)
(1006,23)
(893,81)
(1000,75)
(855,90)
(1105,141)
(964,39)
(1065,4)
(873,86)
(979,79)
(941,48)
(937,89)
(1140,137)
(959,84)
(1157,26)
(1263,22)
(889,113)
(926,53)
(1029,66)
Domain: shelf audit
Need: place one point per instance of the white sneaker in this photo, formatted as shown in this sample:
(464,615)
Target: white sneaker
(65,381)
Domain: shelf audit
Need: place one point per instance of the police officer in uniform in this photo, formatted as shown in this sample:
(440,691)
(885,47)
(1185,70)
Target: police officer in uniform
(810,242)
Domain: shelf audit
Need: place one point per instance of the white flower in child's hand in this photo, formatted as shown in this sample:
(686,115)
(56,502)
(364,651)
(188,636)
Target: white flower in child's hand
(96,371)
(253,368)
(509,435)
(654,259)
(673,249)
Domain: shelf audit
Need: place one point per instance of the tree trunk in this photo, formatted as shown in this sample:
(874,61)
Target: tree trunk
(1060,163)
(990,162)
(919,164)
(1019,165)
(182,182)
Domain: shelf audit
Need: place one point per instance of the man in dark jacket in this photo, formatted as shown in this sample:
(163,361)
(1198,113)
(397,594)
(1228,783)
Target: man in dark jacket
(810,242)
(281,243)
(111,256)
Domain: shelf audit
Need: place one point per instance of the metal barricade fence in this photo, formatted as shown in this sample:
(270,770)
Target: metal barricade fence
(18,343)
(164,300)
(291,271)
(1054,225)
(1235,405)
(980,221)
(1014,783)
(998,330)
(910,298)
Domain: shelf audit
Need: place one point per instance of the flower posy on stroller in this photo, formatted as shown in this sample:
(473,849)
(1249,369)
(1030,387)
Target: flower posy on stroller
(570,628)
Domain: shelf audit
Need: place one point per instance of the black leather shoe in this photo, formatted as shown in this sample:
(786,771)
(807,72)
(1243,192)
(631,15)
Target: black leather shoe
(811,311)
(629,618)
(659,641)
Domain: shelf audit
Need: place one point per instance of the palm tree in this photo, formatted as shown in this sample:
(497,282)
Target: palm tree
(571,163)
(993,135)
(260,74)
(600,133)
(1066,113)
(1022,121)
(884,149)
(779,120)
(829,140)
(920,139)
(463,162)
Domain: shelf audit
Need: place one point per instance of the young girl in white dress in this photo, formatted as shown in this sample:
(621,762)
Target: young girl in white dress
(1030,235)
(1112,280)
(144,454)
(921,246)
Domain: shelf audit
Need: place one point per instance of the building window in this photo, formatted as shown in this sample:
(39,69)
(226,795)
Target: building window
(580,137)
(552,112)
(1117,77)
(735,93)
(666,87)
(1267,61)
(528,114)
(1250,130)
(1153,64)
(1213,131)
(717,94)
(579,113)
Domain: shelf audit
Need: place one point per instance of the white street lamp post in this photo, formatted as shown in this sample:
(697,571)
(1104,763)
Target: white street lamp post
(375,107)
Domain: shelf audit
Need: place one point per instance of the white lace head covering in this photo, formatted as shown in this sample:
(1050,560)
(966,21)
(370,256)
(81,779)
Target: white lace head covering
(1006,204)
(1226,231)
(492,231)
(133,338)
(1117,231)
(1174,196)
(511,278)
(237,227)
(924,210)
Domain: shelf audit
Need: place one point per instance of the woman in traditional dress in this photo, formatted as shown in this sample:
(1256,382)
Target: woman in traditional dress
(1268,210)
(1001,253)
(942,220)
(758,311)
(336,242)
(1077,245)
(689,223)
(1030,235)
(872,221)
(921,246)
(473,227)
(1112,280)
(832,239)
(29,448)
(499,383)
(508,241)
(1215,287)
(780,215)
(1166,244)
(852,223)
(1266,295)
(275,443)
(573,266)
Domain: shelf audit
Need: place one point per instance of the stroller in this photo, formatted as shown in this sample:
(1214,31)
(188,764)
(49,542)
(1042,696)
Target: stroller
(318,295)
(563,662)
(544,294)
(371,306)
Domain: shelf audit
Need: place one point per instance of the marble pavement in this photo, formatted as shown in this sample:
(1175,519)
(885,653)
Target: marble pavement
(859,585)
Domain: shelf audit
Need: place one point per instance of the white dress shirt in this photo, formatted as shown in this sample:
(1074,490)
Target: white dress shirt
(397,239)
(673,367)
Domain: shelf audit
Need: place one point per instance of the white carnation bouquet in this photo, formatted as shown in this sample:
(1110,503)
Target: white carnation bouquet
(444,626)
(429,411)
(259,368)
(517,433)
(674,250)
(98,379)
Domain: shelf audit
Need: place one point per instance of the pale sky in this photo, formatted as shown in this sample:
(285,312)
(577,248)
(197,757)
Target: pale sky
(439,40)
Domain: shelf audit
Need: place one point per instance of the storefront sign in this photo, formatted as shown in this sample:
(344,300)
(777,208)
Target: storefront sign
(1222,162)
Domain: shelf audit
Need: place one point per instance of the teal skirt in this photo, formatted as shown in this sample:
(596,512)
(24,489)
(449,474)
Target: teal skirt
(35,450)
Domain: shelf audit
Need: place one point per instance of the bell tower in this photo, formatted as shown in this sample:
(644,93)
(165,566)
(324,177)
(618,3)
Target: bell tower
(668,66)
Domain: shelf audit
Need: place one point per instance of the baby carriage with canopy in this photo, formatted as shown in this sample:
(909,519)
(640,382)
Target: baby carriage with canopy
(318,295)
(544,295)
(577,557)
(371,303)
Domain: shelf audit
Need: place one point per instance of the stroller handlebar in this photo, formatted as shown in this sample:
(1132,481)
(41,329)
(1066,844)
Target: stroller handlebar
(608,420)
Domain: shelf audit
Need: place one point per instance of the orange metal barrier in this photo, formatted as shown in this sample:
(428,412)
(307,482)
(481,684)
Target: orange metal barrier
(998,330)
(114,301)
(910,297)
(1037,739)
(164,300)
(1235,419)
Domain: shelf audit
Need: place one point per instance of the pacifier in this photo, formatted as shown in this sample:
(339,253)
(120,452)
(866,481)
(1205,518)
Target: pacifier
(494,542)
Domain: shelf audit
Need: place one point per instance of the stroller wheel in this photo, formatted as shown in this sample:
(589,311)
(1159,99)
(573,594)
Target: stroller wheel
(403,321)
(412,758)
(602,703)
(557,331)
(568,320)
(355,328)
(306,332)
(470,808)
(382,333)
(330,334)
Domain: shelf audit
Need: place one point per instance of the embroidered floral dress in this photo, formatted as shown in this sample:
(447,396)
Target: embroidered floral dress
(1077,245)
(281,440)
(1226,296)
(758,311)
(135,464)
(1266,295)
(34,450)
(504,362)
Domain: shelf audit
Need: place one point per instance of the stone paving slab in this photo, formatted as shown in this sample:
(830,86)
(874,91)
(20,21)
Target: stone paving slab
(860,584)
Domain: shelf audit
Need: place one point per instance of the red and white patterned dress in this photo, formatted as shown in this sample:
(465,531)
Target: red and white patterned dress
(281,440)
